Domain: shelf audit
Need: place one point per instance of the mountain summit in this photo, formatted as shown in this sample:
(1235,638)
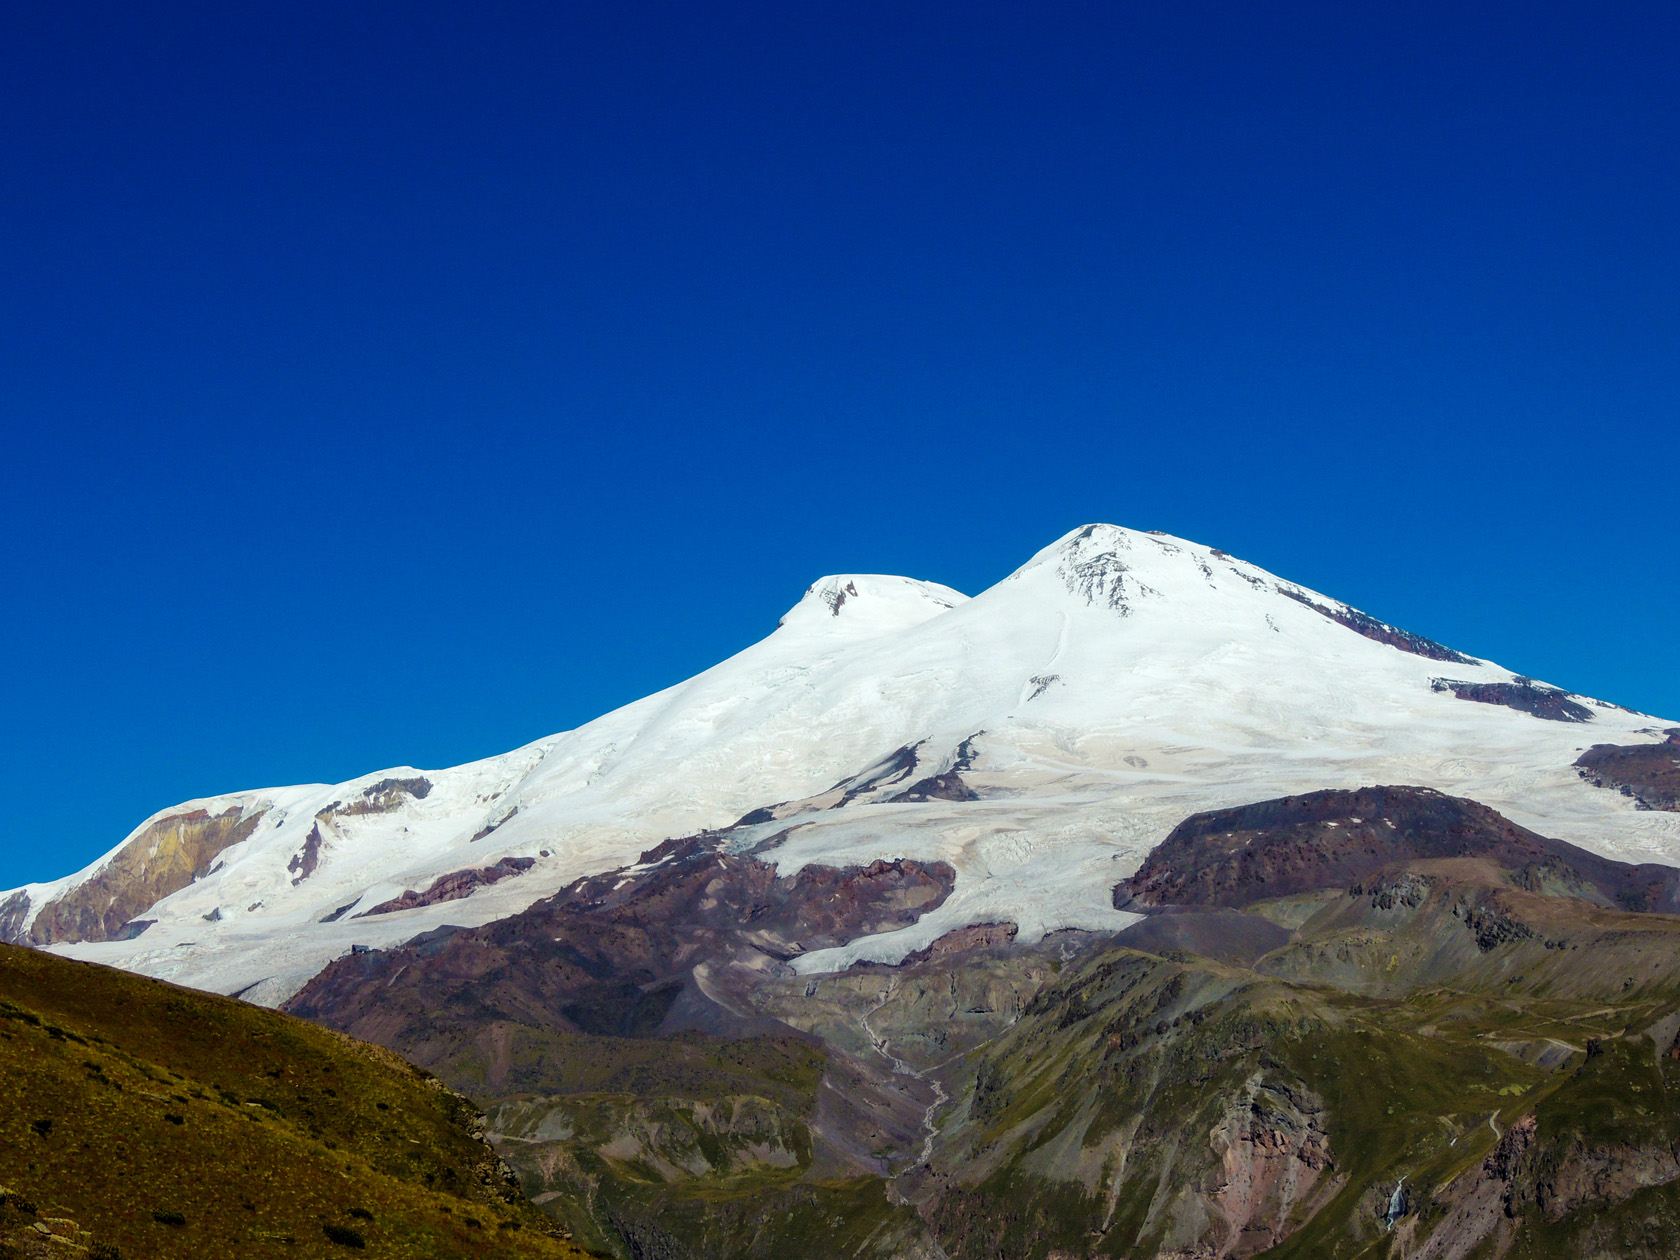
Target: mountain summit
(1037,740)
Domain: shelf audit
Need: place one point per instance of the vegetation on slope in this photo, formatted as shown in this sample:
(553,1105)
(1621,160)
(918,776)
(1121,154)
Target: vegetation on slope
(140,1120)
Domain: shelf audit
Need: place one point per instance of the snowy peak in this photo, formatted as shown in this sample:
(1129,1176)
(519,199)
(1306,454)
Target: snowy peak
(1097,563)
(1127,572)
(868,603)
(1124,570)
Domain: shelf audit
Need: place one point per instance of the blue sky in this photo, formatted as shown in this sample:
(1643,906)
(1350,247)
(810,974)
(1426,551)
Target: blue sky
(388,384)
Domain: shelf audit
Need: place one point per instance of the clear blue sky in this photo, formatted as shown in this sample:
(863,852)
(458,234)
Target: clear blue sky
(397,383)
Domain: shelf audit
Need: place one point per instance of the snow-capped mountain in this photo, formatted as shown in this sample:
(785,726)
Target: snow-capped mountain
(1040,738)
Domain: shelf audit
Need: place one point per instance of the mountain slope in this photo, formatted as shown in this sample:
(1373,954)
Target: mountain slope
(1038,739)
(142,1120)
(1345,1086)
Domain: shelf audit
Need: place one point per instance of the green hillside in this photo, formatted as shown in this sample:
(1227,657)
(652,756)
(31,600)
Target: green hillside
(142,1120)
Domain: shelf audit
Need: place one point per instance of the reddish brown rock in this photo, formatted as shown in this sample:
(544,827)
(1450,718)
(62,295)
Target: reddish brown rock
(306,859)
(612,953)
(963,939)
(1649,773)
(1334,839)
(453,886)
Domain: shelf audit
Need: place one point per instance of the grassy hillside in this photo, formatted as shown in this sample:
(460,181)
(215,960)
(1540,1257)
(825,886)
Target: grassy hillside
(142,1120)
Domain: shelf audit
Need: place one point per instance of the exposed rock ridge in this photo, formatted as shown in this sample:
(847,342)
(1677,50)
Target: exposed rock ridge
(1379,631)
(1092,570)
(1524,695)
(453,886)
(1649,773)
(1483,1201)
(168,854)
(1333,839)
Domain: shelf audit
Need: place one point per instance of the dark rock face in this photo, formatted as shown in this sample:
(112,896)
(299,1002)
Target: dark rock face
(386,795)
(1395,889)
(491,826)
(1102,577)
(339,913)
(1485,1201)
(377,798)
(1572,1176)
(1650,773)
(612,954)
(1334,839)
(306,859)
(836,599)
(453,886)
(939,787)
(1524,696)
(948,786)
(1493,926)
(894,768)
(1380,631)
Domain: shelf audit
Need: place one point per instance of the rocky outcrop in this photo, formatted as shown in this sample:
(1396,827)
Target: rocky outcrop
(611,954)
(303,863)
(1649,773)
(1583,1174)
(1590,1172)
(1492,924)
(386,795)
(453,886)
(1092,570)
(1380,631)
(168,854)
(13,911)
(1272,1149)
(939,787)
(1334,839)
(961,940)
(1524,695)
(1483,1201)
(382,797)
